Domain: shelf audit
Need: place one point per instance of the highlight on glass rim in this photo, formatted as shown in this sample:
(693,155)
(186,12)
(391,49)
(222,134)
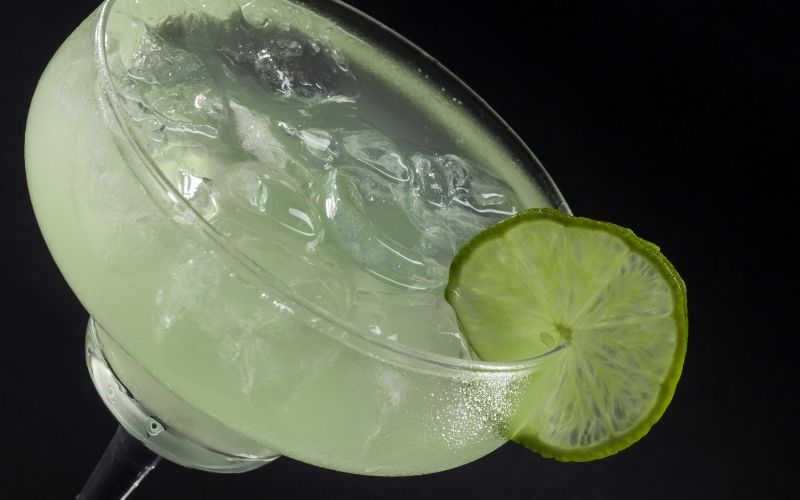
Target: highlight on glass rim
(275,210)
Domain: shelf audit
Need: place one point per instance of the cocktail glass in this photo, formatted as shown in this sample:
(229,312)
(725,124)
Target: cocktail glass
(262,369)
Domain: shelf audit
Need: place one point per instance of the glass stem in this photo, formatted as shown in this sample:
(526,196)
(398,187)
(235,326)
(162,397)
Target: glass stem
(122,467)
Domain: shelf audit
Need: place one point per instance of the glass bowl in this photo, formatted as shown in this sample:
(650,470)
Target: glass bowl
(195,343)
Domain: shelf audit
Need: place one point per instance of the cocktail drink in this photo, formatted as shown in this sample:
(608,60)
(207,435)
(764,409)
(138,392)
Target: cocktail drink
(258,202)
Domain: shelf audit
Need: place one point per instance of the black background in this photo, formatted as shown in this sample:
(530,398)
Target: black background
(670,118)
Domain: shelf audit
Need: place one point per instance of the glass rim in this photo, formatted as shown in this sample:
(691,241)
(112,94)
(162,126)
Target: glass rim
(363,340)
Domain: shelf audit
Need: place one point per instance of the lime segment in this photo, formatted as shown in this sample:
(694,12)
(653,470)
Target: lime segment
(611,301)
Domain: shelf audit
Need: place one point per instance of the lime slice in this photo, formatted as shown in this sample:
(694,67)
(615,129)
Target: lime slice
(608,302)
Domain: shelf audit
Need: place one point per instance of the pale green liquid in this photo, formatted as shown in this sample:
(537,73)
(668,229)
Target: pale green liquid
(246,357)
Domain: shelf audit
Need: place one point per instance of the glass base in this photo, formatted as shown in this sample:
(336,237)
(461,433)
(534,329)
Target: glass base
(166,440)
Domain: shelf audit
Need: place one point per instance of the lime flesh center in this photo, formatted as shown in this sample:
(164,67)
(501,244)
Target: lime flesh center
(565,332)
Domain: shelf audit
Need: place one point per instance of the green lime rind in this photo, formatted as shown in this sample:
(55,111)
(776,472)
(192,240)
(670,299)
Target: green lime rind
(548,391)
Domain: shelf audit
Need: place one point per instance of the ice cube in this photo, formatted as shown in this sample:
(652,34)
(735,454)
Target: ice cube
(256,136)
(273,194)
(430,181)
(199,192)
(191,107)
(238,40)
(295,66)
(446,230)
(446,180)
(474,187)
(157,61)
(422,320)
(452,201)
(170,90)
(319,143)
(378,152)
(367,220)
(196,306)
(286,61)
(316,141)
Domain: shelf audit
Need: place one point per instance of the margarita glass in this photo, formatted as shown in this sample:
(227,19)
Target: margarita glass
(202,341)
